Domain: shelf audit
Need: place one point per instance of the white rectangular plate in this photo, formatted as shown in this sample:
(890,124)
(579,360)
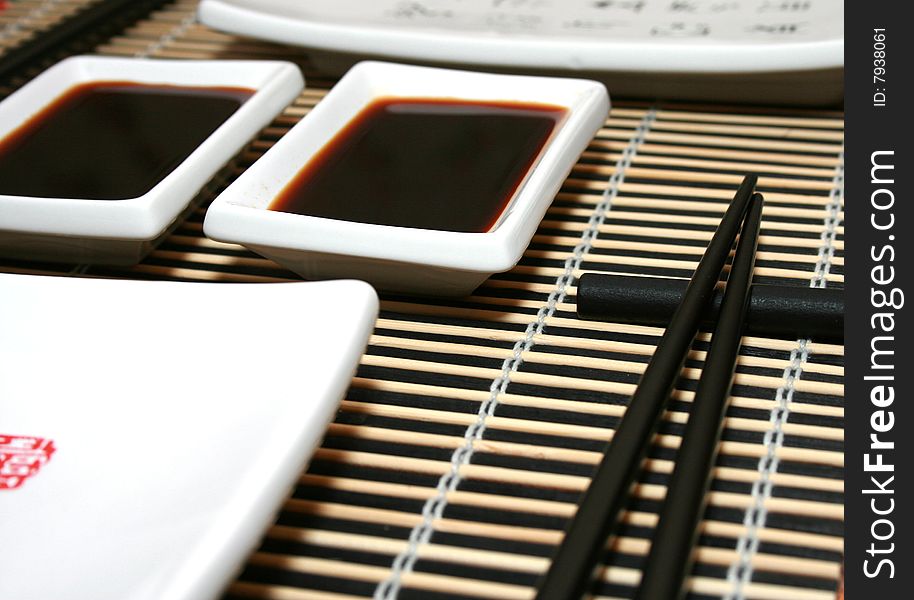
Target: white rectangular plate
(169,442)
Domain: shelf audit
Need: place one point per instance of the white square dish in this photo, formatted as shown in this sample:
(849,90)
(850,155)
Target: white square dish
(122,231)
(143,454)
(405,258)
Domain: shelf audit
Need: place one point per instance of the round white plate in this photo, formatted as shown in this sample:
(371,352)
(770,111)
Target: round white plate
(655,36)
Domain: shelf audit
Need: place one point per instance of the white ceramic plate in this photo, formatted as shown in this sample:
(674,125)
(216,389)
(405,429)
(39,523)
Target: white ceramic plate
(175,439)
(400,258)
(656,36)
(121,231)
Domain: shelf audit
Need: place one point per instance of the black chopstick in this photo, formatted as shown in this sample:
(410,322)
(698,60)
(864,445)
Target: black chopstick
(585,537)
(670,557)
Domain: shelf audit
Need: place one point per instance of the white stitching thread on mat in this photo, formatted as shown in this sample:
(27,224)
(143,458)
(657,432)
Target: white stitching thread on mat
(169,36)
(434,506)
(739,575)
(834,207)
(33,15)
(740,572)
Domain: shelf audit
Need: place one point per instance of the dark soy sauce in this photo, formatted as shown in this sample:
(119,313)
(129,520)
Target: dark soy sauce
(440,164)
(111,140)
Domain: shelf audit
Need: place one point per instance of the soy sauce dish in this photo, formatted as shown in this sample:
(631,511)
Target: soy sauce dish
(99,155)
(415,179)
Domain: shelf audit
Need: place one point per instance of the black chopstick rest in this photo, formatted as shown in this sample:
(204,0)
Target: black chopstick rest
(774,310)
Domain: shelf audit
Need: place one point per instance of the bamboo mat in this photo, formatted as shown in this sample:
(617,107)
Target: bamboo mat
(472,425)
(22,20)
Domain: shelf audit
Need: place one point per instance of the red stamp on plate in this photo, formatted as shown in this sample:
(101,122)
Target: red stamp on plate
(21,456)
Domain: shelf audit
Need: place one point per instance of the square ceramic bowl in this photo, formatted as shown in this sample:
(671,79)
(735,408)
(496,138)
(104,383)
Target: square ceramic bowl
(403,258)
(123,231)
(144,454)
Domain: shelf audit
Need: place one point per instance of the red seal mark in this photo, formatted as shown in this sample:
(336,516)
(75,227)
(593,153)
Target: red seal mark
(21,457)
